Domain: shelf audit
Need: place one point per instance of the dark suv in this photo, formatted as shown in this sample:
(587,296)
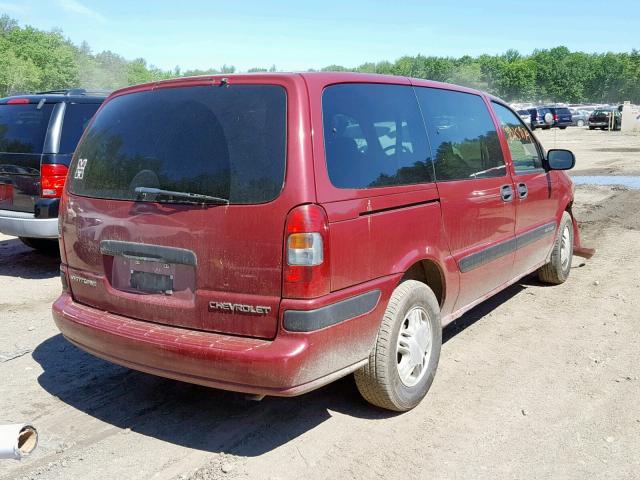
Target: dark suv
(537,118)
(561,117)
(602,118)
(38,135)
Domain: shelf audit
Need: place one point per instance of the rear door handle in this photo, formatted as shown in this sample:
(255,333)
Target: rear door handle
(506,192)
(523,191)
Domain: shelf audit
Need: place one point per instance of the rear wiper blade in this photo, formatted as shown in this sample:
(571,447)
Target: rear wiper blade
(187,195)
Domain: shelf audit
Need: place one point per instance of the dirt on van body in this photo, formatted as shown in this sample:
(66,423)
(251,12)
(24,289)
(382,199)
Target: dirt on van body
(538,382)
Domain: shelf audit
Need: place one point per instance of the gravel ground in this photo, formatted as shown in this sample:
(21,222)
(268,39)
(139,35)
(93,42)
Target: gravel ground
(538,382)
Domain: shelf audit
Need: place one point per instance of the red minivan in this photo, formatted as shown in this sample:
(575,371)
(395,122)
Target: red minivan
(270,233)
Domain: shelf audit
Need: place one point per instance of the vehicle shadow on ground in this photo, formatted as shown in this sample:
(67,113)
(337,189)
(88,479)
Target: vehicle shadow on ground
(199,417)
(18,260)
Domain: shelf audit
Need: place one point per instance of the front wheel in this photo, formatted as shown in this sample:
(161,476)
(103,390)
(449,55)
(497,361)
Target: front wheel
(580,123)
(404,359)
(557,270)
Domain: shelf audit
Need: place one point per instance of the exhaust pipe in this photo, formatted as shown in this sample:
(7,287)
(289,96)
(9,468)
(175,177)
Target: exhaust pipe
(17,441)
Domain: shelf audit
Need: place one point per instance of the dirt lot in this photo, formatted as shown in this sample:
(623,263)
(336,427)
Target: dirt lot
(538,382)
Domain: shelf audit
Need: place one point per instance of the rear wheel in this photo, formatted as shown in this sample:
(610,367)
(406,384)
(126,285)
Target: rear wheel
(562,128)
(580,123)
(592,128)
(557,270)
(43,245)
(403,362)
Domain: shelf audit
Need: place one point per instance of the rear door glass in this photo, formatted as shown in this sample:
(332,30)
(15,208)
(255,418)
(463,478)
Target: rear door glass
(76,119)
(374,136)
(463,138)
(226,142)
(23,127)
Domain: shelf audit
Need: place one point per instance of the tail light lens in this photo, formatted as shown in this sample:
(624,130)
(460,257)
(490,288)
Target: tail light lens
(52,178)
(555,117)
(306,269)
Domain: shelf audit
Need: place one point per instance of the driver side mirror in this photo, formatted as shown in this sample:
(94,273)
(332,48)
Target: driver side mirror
(558,159)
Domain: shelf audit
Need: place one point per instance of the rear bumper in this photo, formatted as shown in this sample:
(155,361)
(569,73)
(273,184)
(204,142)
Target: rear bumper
(23,224)
(291,364)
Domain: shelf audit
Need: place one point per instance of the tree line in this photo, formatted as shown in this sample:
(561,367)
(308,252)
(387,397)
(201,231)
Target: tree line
(35,60)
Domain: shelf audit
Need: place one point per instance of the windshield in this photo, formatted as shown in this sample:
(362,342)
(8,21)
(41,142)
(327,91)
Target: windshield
(23,127)
(225,142)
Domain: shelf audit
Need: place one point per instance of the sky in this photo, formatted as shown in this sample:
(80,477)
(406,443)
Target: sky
(303,34)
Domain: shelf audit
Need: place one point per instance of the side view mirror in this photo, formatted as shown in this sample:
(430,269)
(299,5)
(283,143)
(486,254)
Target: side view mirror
(558,159)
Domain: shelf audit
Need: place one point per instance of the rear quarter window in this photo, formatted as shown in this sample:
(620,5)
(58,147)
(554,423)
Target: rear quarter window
(374,136)
(76,119)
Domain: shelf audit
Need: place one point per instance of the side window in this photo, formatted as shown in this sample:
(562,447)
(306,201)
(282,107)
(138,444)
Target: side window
(374,136)
(524,152)
(463,138)
(76,119)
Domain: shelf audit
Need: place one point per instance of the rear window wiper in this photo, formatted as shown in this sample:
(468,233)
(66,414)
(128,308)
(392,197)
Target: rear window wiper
(197,197)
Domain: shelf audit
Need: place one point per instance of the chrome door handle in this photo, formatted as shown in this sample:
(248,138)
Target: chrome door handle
(506,192)
(523,191)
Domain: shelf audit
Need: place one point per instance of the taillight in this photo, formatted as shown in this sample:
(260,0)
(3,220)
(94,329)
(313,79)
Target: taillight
(555,117)
(306,253)
(18,101)
(52,178)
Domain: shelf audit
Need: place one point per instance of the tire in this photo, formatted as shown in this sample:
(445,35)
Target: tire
(412,305)
(562,128)
(592,128)
(533,127)
(557,270)
(42,245)
(580,123)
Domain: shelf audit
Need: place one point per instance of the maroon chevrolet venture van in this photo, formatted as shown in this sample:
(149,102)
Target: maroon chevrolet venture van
(270,233)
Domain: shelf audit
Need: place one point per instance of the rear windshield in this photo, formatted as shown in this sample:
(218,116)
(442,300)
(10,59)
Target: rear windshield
(226,142)
(23,127)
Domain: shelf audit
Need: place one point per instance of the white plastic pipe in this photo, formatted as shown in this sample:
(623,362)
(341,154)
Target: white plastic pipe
(17,441)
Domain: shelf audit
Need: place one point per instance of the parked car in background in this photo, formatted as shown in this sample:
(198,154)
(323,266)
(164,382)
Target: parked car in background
(538,118)
(605,118)
(38,135)
(579,118)
(199,259)
(561,117)
(525,116)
